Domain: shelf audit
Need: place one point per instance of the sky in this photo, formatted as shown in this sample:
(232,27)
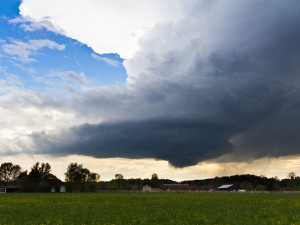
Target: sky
(185,89)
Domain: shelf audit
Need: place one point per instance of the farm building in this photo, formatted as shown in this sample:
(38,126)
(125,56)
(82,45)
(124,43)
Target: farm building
(227,187)
(181,187)
(7,189)
(148,188)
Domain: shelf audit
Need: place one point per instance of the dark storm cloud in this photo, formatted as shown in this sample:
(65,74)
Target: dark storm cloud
(181,142)
(224,80)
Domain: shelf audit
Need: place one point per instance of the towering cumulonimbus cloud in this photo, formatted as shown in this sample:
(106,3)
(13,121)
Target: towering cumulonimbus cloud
(221,79)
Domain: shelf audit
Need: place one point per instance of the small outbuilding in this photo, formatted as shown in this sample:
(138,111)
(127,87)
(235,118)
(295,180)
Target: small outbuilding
(8,189)
(227,187)
(148,188)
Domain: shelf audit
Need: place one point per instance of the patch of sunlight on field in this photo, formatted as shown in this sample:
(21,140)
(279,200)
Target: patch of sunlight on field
(150,208)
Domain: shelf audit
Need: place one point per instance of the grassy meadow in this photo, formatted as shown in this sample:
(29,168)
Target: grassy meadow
(150,208)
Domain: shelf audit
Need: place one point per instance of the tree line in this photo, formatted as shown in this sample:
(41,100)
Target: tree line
(80,179)
(40,178)
(252,182)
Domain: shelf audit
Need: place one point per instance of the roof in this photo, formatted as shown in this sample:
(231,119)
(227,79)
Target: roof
(225,186)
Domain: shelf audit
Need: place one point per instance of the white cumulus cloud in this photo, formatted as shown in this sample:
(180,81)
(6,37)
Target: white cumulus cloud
(25,50)
(109,61)
(107,26)
(29,24)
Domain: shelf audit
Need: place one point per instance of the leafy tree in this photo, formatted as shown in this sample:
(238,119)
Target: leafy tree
(276,184)
(292,175)
(119,176)
(246,185)
(119,183)
(40,172)
(154,181)
(9,172)
(77,174)
(39,179)
(136,187)
(154,176)
(28,184)
(22,175)
(45,170)
(74,173)
(93,177)
(80,179)
(260,187)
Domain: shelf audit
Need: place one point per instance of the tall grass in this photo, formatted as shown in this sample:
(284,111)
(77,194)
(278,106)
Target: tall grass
(150,208)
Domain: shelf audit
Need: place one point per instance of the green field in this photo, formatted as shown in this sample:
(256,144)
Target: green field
(150,208)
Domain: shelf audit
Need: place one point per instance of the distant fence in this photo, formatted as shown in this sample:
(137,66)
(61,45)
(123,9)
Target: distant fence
(195,191)
(119,191)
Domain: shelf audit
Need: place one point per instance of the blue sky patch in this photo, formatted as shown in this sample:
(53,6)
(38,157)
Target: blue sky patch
(35,59)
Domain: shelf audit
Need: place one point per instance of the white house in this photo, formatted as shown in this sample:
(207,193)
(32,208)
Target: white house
(147,188)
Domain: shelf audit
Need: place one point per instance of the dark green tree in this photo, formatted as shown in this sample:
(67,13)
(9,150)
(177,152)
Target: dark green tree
(291,184)
(9,172)
(77,174)
(276,184)
(93,177)
(260,187)
(119,176)
(154,181)
(40,172)
(119,183)
(80,179)
(246,185)
(74,173)
(292,175)
(39,179)
(154,177)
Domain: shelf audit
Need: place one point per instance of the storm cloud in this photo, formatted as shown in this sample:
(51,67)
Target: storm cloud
(162,139)
(222,80)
